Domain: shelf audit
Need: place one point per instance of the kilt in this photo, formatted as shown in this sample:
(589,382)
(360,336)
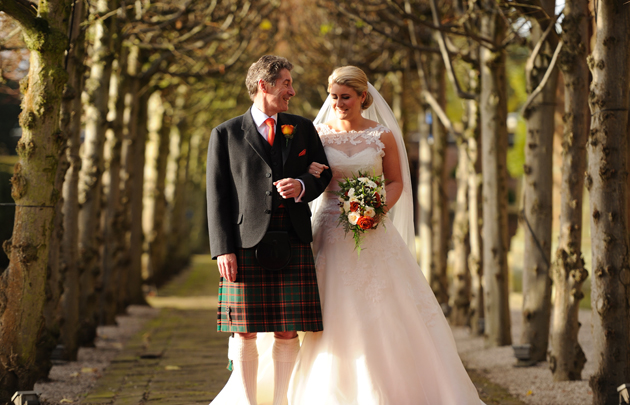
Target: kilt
(272,301)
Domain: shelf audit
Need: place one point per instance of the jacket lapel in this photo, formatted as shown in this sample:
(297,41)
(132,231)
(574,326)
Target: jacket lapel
(286,146)
(253,137)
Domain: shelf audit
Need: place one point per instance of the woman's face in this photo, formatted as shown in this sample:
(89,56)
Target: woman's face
(345,101)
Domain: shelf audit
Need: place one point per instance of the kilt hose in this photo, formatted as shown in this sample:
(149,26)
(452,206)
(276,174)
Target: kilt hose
(272,301)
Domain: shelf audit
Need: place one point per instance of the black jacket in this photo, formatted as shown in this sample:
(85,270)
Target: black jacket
(239,179)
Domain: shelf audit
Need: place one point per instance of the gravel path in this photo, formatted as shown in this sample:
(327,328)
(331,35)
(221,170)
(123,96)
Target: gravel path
(532,385)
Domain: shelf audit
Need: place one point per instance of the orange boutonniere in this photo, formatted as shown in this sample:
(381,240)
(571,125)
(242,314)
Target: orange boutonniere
(287,131)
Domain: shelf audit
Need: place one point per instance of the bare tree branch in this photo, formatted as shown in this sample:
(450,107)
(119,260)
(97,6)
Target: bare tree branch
(543,82)
(23,11)
(447,60)
(529,66)
(426,94)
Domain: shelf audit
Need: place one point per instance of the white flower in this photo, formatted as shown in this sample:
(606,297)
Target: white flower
(340,199)
(363,179)
(371,184)
(353,217)
(354,199)
(341,210)
(346,206)
(369,212)
(351,192)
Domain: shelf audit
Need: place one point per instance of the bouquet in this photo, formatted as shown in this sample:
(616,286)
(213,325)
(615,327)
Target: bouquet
(361,204)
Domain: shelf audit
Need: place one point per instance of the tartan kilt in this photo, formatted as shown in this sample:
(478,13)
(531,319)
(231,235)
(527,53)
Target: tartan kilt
(272,301)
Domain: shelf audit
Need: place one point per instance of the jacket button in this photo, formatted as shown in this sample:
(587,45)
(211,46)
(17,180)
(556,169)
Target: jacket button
(268,174)
(267,211)
(268,192)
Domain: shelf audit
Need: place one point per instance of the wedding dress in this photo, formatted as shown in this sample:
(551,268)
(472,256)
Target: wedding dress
(385,338)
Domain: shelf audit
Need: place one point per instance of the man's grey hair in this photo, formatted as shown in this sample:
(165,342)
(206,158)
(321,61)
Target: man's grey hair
(267,68)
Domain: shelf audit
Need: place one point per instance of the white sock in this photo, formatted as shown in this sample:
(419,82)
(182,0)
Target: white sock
(284,354)
(244,356)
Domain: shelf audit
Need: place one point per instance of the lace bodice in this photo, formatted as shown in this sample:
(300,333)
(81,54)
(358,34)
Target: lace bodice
(351,152)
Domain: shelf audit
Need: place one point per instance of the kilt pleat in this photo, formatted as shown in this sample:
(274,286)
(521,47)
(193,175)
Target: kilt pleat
(272,301)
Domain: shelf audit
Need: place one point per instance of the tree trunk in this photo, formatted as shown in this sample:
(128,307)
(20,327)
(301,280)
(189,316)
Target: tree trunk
(114,231)
(127,173)
(440,209)
(537,202)
(493,102)
(70,242)
(474,259)
(566,360)
(90,185)
(23,283)
(460,299)
(424,194)
(607,183)
(156,235)
(136,236)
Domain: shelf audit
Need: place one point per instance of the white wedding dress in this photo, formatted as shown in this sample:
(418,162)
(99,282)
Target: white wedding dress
(385,338)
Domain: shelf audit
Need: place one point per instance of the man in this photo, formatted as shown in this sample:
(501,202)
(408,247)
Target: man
(258,181)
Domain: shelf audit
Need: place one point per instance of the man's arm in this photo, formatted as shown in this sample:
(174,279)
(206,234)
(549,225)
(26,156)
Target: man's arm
(218,191)
(315,186)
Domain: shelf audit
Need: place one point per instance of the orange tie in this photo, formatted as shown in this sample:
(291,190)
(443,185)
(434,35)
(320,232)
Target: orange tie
(271,135)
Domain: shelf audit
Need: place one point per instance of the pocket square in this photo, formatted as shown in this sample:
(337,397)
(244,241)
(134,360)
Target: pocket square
(302,153)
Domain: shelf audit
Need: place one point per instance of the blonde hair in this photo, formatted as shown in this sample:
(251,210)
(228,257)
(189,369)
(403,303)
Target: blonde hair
(354,78)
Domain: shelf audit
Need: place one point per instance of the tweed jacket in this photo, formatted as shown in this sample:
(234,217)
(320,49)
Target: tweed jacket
(239,180)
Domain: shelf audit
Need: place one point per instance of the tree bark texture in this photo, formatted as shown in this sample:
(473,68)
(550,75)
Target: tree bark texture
(440,208)
(536,217)
(493,102)
(23,283)
(59,320)
(425,157)
(607,176)
(91,176)
(156,235)
(474,181)
(136,236)
(460,299)
(129,146)
(566,358)
(113,216)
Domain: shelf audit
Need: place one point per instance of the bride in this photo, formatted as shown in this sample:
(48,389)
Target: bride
(385,339)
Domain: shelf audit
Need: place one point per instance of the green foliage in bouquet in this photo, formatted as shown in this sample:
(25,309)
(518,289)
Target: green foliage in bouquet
(362,202)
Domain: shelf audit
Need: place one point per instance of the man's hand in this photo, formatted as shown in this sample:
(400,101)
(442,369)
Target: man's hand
(288,188)
(228,266)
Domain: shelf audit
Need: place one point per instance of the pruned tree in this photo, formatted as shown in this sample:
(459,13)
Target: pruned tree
(567,360)
(493,105)
(607,181)
(23,283)
(536,217)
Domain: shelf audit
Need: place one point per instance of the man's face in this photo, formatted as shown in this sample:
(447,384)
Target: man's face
(277,97)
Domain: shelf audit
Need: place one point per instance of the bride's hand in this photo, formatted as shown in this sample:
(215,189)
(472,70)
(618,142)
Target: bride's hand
(316,169)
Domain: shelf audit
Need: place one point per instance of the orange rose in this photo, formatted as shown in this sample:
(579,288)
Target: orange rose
(287,130)
(354,206)
(378,201)
(365,222)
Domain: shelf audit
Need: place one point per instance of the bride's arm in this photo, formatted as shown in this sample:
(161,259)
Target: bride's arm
(391,170)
